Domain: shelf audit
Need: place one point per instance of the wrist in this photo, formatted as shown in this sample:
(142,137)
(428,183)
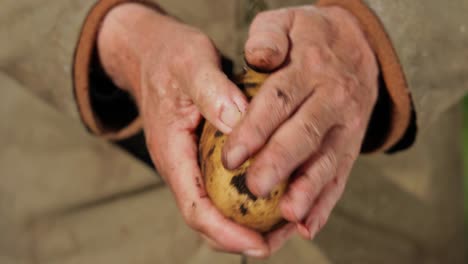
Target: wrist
(122,41)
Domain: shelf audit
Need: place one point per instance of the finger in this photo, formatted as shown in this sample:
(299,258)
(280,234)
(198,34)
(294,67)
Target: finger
(280,96)
(268,43)
(211,243)
(278,238)
(218,99)
(293,143)
(324,204)
(175,154)
(227,234)
(197,70)
(316,172)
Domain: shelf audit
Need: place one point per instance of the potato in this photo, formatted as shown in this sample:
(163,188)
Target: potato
(227,189)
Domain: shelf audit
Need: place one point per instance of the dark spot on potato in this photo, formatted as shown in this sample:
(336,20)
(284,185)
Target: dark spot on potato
(238,182)
(283,96)
(194,205)
(249,85)
(212,149)
(211,179)
(275,193)
(243,209)
(218,134)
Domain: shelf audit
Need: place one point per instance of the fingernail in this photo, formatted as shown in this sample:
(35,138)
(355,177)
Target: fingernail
(263,45)
(236,156)
(265,178)
(230,116)
(255,253)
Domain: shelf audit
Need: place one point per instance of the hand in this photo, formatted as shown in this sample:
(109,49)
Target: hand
(310,116)
(173,71)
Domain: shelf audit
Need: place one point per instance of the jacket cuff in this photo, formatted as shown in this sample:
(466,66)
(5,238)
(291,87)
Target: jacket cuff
(105,110)
(392,126)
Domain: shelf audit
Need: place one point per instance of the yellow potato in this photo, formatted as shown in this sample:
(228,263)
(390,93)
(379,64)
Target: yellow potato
(227,189)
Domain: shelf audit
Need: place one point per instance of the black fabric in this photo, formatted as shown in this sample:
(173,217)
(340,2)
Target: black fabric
(380,121)
(410,135)
(114,107)
(136,145)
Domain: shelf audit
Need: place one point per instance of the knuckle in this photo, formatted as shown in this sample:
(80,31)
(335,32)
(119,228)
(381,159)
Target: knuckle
(314,184)
(260,132)
(310,130)
(315,56)
(350,82)
(329,163)
(281,155)
(342,94)
(262,17)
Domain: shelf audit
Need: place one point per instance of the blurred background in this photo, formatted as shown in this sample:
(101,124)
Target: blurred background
(465,160)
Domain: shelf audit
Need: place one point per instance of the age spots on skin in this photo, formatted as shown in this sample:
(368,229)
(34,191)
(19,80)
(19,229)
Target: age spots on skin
(283,96)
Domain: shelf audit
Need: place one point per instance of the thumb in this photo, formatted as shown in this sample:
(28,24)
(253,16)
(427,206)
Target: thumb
(218,99)
(268,43)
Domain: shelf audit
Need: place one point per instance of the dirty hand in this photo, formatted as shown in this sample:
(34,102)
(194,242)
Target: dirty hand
(308,121)
(174,73)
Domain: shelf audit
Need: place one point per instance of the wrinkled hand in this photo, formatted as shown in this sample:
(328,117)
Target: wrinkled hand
(310,116)
(174,73)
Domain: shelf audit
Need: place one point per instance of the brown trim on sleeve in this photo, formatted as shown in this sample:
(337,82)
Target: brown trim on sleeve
(81,71)
(391,70)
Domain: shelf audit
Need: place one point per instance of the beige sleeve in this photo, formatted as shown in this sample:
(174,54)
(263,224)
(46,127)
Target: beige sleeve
(37,47)
(83,63)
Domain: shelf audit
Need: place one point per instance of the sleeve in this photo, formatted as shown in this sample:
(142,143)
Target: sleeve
(40,51)
(105,110)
